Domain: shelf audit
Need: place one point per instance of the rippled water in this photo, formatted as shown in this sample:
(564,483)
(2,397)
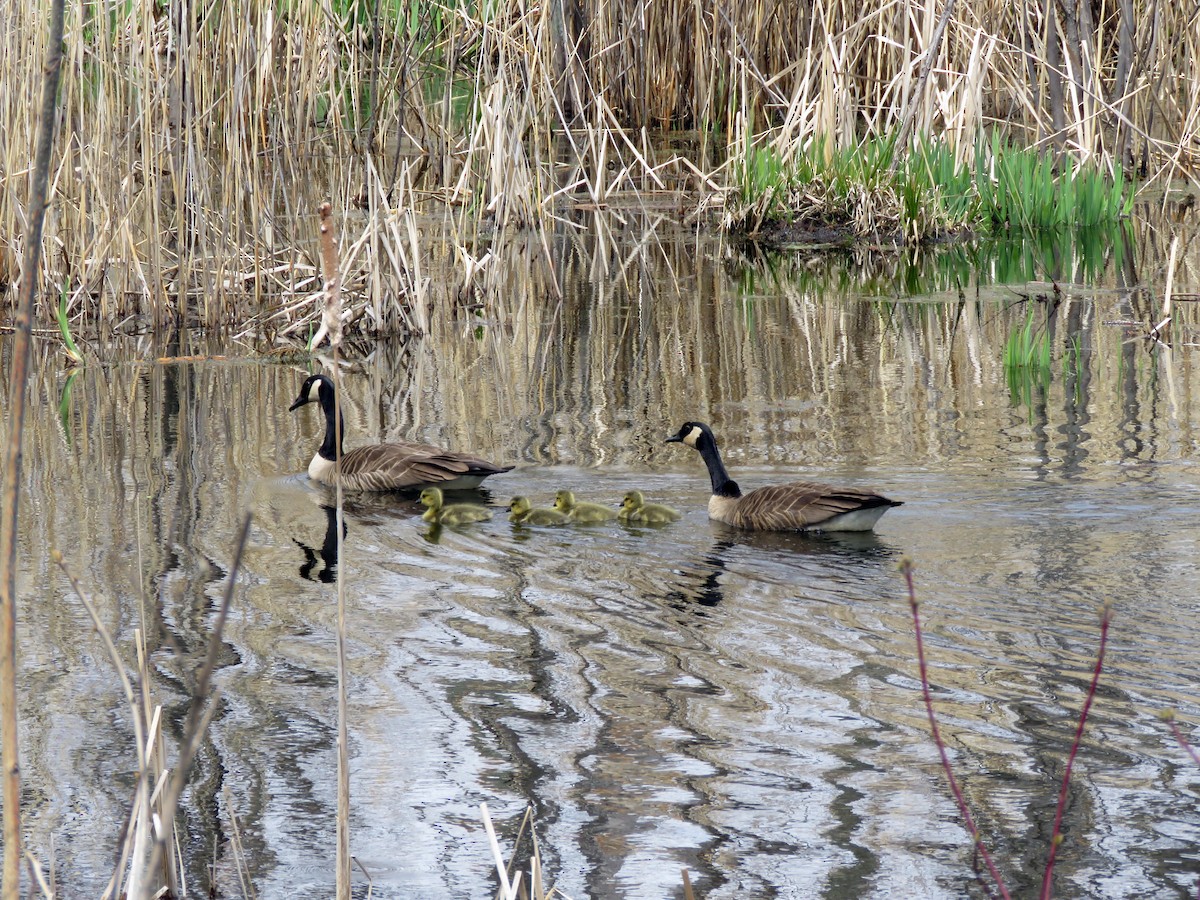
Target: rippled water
(743,706)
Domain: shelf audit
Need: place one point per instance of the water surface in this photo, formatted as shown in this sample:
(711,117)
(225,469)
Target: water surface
(744,706)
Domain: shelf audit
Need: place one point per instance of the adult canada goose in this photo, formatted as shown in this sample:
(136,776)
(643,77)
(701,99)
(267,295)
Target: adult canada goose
(522,512)
(634,508)
(398,466)
(582,513)
(796,506)
(454,514)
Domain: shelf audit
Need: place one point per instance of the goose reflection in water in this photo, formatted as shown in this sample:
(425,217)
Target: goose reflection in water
(701,583)
(326,556)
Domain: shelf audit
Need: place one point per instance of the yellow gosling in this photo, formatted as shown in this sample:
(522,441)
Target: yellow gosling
(635,509)
(582,513)
(455,514)
(522,512)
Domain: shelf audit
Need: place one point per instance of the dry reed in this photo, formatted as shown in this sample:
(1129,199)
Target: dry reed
(191,142)
(134,875)
(10,500)
(511,887)
(331,328)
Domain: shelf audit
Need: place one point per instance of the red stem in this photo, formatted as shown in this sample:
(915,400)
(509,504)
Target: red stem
(1186,745)
(1056,835)
(1183,742)
(907,568)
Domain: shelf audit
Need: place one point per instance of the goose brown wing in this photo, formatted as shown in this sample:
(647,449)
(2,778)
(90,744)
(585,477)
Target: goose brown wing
(799,505)
(384,467)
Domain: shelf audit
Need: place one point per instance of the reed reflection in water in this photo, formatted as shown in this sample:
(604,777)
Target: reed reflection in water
(742,705)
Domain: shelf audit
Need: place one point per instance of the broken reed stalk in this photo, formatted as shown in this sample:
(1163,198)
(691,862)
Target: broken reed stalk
(331,326)
(511,886)
(239,854)
(146,718)
(687,886)
(35,872)
(201,711)
(10,880)
(508,890)
(906,567)
(1056,837)
(910,111)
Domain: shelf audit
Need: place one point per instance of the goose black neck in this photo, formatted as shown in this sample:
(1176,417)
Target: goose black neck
(722,484)
(330,448)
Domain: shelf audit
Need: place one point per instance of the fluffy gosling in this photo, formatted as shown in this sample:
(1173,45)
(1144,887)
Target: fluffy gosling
(635,509)
(522,512)
(437,513)
(582,513)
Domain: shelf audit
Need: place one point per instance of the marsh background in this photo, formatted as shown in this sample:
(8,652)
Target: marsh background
(536,209)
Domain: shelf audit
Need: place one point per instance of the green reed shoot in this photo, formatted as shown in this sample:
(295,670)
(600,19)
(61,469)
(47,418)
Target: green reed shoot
(933,192)
(1027,360)
(1027,347)
(1028,190)
(64,327)
(64,406)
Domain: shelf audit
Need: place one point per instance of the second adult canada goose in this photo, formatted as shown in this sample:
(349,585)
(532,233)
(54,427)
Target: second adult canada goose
(582,513)
(522,512)
(796,506)
(397,466)
(635,509)
(438,513)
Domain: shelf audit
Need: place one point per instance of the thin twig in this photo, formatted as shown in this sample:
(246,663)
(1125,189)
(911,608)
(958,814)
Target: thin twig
(906,567)
(36,874)
(1056,837)
(1169,716)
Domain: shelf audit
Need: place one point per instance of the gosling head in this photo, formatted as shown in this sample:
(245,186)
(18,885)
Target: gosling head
(312,391)
(564,501)
(632,501)
(691,433)
(431,497)
(520,505)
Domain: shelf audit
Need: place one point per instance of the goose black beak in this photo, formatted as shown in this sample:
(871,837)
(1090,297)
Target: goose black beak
(300,401)
(674,439)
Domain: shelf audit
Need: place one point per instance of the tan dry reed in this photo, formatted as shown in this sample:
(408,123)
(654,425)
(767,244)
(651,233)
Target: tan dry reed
(192,148)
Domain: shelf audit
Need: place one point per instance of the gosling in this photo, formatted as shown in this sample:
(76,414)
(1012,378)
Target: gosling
(455,514)
(635,510)
(522,512)
(582,513)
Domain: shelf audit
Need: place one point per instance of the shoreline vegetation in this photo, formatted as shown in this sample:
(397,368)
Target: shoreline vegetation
(192,149)
(193,144)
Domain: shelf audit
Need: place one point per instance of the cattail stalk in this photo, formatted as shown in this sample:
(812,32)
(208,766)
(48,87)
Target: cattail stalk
(10,881)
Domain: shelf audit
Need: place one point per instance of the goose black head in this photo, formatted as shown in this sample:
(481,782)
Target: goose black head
(313,390)
(690,433)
